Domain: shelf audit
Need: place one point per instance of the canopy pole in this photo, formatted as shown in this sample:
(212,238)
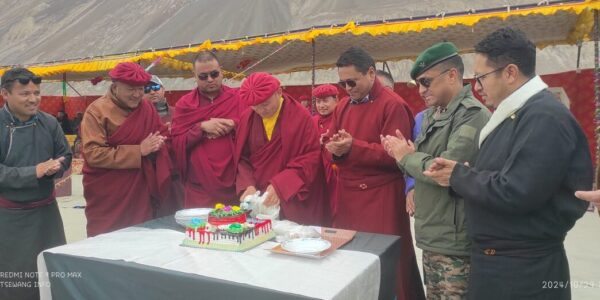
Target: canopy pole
(597,90)
(312,85)
(579,44)
(64,92)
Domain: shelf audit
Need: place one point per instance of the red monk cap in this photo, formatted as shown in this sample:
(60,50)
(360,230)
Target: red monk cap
(303,98)
(325,90)
(130,73)
(258,87)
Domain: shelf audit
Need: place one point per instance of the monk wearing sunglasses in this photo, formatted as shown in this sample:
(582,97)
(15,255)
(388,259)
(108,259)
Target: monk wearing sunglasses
(203,136)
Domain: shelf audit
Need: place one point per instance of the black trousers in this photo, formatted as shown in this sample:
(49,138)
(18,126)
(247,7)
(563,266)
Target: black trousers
(517,277)
(23,235)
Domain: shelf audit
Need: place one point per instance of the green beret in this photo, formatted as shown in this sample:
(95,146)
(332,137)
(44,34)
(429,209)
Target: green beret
(433,56)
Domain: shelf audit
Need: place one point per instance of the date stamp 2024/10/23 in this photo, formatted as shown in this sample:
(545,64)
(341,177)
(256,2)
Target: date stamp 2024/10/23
(574,284)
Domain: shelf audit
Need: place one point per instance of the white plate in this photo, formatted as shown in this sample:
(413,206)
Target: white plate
(185,216)
(193,212)
(306,245)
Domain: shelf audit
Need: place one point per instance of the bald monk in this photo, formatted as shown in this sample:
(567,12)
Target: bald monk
(371,192)
(326,100)
(127,169)
(203,136)
(277,151)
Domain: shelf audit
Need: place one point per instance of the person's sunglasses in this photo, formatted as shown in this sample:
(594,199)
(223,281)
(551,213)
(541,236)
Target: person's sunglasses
(427,81)
(24,81)
(479,78)
(348,82)
(151,87)
(213,74)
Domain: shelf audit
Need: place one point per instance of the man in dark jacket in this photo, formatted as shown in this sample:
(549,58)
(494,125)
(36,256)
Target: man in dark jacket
(520,193)
(33,152)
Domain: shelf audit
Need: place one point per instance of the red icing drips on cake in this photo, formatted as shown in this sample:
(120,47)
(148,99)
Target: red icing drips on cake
(226,215)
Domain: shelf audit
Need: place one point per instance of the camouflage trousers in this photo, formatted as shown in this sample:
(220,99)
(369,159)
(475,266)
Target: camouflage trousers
(446,276)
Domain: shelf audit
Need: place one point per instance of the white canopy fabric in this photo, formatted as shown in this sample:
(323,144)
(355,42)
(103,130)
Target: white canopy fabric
(81,40)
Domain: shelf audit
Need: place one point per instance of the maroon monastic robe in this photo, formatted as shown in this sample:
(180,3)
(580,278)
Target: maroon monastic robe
(176,196)
(290,161)
(118,198)
(371,187)
(206,165)
(331,171)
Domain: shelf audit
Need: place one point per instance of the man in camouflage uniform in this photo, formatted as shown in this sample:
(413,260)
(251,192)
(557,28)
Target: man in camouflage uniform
(446,275)
(450,128)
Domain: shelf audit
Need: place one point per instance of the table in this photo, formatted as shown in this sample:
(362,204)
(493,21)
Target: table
(80,277)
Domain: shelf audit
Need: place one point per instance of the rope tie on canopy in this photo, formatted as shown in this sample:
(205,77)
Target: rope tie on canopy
(242,73)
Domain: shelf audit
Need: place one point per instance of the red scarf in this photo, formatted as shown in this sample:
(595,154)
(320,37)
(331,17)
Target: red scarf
(291,161)
(117,198)
(211,161)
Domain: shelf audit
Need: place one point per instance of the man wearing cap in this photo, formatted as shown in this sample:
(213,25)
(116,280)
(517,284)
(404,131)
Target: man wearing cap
(203,136)
(155,93)
(127,169)
(449,129)
(520,192)
(277,151)
(371,187)
(326,99)
(33,152)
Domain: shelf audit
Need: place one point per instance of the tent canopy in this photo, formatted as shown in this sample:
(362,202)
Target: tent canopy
(387,29)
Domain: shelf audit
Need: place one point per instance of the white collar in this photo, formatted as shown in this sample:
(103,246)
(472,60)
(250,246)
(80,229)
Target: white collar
(511,104)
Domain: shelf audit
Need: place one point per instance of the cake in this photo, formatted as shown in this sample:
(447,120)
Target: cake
(227,228)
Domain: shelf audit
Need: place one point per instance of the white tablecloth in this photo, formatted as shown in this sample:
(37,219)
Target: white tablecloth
(341,275)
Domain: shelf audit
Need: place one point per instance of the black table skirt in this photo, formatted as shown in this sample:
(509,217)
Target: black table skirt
(95,278)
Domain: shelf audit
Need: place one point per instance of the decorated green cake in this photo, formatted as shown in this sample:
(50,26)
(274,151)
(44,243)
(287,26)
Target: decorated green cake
(227,228)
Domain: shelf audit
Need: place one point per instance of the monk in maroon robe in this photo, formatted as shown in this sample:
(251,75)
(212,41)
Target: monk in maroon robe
(203,136)
(277,151)
(326,100)
(371,191)
(127,169)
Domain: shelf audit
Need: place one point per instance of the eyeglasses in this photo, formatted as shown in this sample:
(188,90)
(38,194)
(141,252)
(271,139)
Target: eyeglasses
(426,82)
(349,82)
(24,81)
(213,74)
(151,87)
(479,78)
